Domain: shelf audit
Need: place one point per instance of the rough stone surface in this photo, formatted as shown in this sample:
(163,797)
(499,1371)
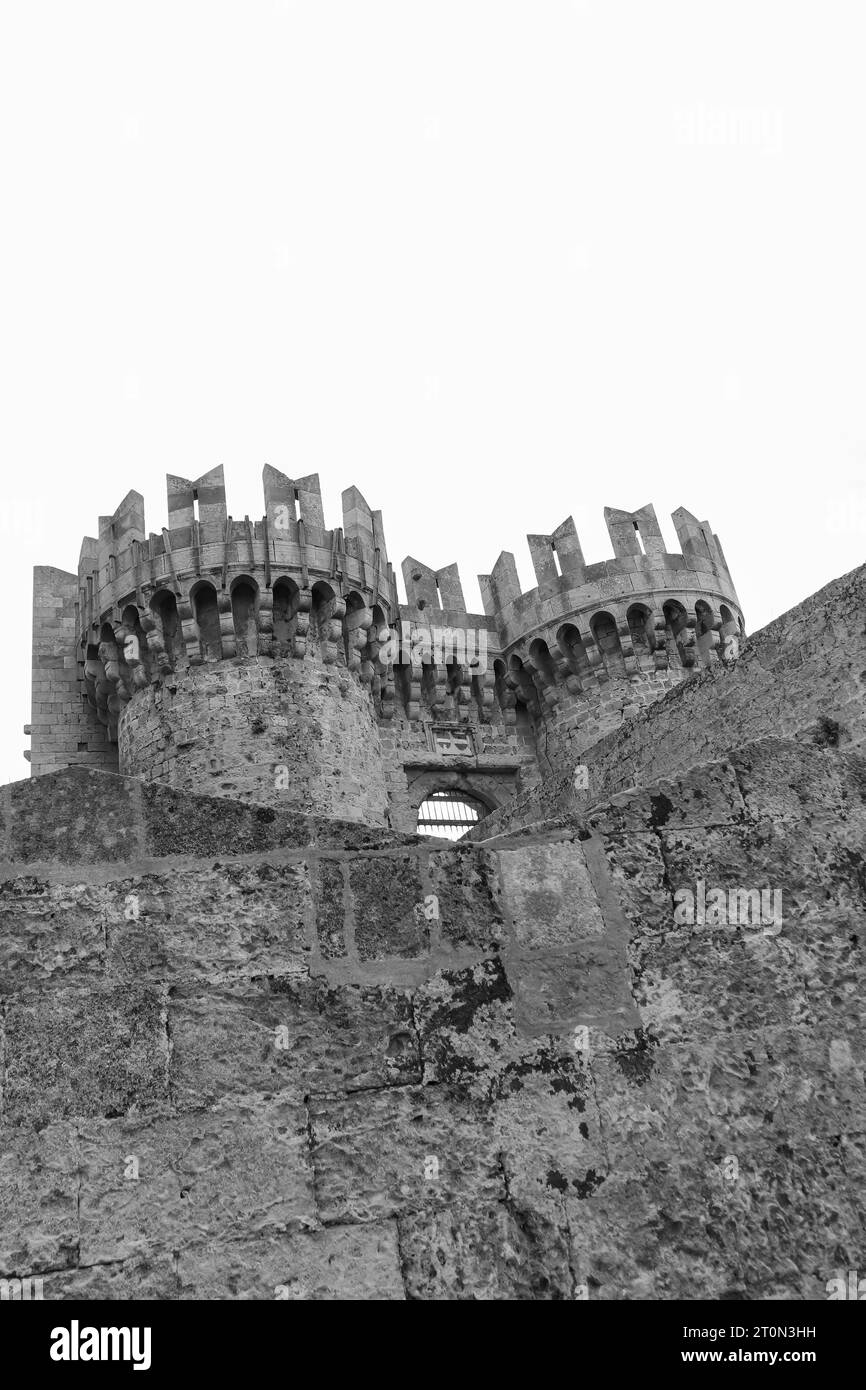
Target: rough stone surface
(548,1088)
(285,738)
(610,1046)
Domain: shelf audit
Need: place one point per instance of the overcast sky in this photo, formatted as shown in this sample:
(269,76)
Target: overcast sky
(495,263)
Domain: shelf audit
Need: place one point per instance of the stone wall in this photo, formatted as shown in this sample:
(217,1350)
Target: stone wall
(64,732)
(280,733)
(576,723)
(541,675)
(250,1054)
(802,677)
(503,763)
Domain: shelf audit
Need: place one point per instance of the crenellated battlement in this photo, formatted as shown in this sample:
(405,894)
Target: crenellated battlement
(644,613)
(203,542)
(210,587)
(205,650)
(567,585)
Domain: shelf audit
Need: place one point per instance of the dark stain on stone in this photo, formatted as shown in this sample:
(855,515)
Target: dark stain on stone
(584,1187)
(827,732)
(636,1063)
(660,810)
(471,994)
(851,863)
(566,1084)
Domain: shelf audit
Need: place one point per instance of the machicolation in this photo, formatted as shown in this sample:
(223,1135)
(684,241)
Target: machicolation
(266,1033)
(272,659)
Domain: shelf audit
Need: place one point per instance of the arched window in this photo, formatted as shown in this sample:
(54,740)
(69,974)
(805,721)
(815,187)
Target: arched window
(604,629)
(449,814)
(286,594)
(135,652)
(676,632)
(244,617)
(208,622)
(639,619)
(705,623)
(571,645)
(163,606)
(519,681)
(354,629)
(704,620)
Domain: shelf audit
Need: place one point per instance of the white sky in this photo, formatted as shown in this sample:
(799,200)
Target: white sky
(493,262)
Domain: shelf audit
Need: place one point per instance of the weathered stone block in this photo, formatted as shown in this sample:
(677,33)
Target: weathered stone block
(38,1200)
(295,1037)
(486,1252)
(50,933)
(343,1262)
(85,1053)
(74,816)
(464,883)
(222,922)
(550,894)
(236,1170)
(377,1153)
(389,906)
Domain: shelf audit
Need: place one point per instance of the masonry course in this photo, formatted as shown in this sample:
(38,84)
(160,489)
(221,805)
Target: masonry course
(266,1041)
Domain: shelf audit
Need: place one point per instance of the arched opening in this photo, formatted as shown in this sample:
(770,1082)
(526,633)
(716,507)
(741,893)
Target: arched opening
(545,679)
(543,661)
(676,622)
(376,650)
(324,601)
(639,619)
(524,690)
(207,620)
(108,652)
(449,814)
(504,696)
(704,621)
(604,629)
(354,631)
(378,637)
(244,595)
(135,652)
(729,634)
(163,606)
(705,636)
(570,643)
(285,614)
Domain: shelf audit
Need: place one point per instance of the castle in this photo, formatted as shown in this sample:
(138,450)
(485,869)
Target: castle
(273,661)
(261,1039)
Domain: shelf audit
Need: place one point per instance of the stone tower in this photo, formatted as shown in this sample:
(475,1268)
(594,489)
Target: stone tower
(271,660)
(257,1042)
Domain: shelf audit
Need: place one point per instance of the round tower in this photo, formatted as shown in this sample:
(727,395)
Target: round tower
(593,644)
(238,658)
(270,660)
